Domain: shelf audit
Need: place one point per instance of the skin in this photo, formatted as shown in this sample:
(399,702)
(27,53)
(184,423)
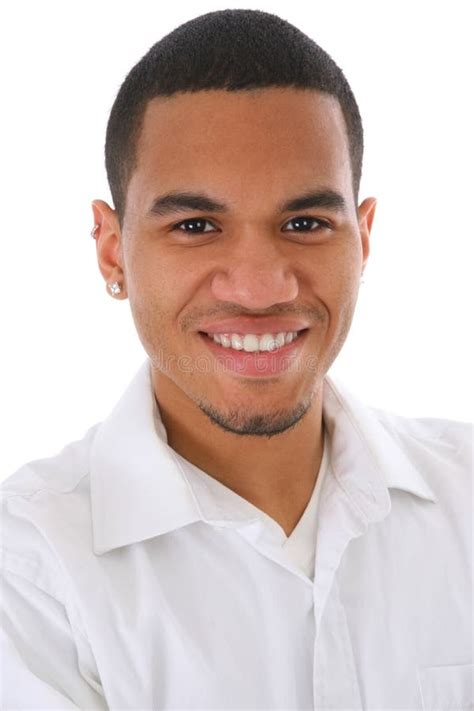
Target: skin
(251,151)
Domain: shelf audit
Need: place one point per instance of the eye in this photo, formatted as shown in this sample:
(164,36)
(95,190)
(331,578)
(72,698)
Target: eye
(305,223)
(195,225)
(302,223)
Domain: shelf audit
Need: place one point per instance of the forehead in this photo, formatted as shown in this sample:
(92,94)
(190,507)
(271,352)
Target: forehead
(262,135)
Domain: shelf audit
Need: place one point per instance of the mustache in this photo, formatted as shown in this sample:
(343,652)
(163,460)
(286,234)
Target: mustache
(196,316)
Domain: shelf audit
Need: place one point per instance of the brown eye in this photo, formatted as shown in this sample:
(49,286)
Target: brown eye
(193,225)
(305,223)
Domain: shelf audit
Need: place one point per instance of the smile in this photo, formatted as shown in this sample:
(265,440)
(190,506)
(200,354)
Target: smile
(254,343)
(256,355)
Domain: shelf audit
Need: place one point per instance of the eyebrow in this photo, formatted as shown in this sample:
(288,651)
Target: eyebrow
(184,201)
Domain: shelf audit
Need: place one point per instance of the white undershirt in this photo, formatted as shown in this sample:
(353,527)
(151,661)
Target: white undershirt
(300,546)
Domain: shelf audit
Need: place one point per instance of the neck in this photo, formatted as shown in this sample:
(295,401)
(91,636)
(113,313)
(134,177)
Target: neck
(276,475)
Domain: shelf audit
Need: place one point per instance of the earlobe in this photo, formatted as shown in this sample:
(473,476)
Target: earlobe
(109,247)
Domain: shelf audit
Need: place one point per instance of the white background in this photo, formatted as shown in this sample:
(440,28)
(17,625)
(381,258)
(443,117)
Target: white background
(69,349)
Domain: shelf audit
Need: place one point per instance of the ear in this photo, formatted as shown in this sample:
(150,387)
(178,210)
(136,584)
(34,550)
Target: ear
(109,245)
(366,213)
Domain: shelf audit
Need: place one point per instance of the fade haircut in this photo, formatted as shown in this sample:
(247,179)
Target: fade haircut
(233,50)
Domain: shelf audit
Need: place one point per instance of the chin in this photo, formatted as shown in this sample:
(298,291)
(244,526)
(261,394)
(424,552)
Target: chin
(246,420)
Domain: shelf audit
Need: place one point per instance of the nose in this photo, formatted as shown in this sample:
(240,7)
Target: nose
(256,275)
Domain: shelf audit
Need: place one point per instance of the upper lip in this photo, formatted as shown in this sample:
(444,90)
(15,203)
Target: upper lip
(255,325)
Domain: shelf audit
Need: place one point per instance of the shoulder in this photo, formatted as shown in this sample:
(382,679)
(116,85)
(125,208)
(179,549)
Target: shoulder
(440,448)
(59,473)
(440,431)
(44,501)
(431,433)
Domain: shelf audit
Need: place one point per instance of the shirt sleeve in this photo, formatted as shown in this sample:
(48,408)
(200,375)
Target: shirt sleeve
(45,662)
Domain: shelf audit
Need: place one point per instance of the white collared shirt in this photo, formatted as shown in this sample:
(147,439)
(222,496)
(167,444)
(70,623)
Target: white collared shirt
(300,546)
(133,580)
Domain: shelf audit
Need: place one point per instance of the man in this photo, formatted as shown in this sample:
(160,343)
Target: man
(240,532)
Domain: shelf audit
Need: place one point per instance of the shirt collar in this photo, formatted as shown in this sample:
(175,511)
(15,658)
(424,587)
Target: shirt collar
(139,490)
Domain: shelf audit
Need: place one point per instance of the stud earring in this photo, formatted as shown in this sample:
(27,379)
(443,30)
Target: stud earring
(94,230)
(114,288)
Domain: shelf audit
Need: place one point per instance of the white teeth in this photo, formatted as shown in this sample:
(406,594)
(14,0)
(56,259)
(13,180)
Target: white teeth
(251,342)
(268,342)
(280,339)
(236,342)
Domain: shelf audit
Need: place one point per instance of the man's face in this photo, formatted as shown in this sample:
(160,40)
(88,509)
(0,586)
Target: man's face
(187,271)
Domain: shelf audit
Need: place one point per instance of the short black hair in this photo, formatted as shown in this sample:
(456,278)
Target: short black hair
(232,50)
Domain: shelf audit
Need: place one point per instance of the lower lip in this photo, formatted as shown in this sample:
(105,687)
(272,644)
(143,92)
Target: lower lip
(256,364)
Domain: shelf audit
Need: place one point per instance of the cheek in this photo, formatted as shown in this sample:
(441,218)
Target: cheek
(339,281)
(159,292)
(147,277)
(335,273)
(345,298)
(347,264)
(148,295)
(150,322)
